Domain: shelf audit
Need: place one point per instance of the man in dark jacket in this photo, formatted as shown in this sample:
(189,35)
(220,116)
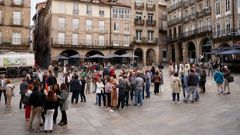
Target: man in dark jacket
(192,82)
(36,101)
(23,90)
(75,87)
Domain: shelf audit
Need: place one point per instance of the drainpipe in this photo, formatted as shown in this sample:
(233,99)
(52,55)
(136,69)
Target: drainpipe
(233,20)
(110,37)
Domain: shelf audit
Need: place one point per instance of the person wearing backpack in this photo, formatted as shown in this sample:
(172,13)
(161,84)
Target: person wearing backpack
(26,102)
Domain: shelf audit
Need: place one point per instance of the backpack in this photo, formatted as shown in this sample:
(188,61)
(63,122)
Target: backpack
(26,100)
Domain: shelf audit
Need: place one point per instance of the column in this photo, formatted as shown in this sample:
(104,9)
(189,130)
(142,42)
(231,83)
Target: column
(176,52)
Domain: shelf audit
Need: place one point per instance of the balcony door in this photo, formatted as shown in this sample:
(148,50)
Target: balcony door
(17,18)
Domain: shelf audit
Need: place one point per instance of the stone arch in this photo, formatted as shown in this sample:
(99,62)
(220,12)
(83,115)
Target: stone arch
(120,52)
(139,52)
(93,52)
(191,50)
(205,47)
(65,57)
(150,57)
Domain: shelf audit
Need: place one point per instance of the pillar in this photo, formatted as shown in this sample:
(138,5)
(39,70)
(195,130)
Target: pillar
(176,52)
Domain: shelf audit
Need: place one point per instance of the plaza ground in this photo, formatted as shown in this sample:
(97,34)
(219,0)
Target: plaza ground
(213,115)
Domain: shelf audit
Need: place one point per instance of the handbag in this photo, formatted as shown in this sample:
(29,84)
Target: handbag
(230,78)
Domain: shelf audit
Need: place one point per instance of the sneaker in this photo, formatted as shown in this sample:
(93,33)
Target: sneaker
(179,102)
(173,102)
(228,93)
(110,110)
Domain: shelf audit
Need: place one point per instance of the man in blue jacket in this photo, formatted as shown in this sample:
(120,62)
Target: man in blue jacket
(219,79)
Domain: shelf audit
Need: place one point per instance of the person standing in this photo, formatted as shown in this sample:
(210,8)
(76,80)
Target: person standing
(156,81)
(192,83)
(203,78)
(9,93)
(56,91)
(3,88)
(121,89)
(210,67)
(148,82)
(23,90)
(108,90)
(88,80)
(63,104)
(227,75)
(176,88)
(139,85)
(36,100)
(75,87)
(127,89)
(27,104)
(219,79)
(114,92)
(56,70)
(82,90)
(50,103)
(100,92)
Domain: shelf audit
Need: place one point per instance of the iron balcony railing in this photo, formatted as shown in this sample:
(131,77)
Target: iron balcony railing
(145,40)
(174,21)
(139,22)
(14,41)
(225,33)
(204,12)
(151,23)
(174,7)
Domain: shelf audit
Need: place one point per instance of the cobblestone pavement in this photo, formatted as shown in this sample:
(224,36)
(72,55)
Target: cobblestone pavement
(213,115)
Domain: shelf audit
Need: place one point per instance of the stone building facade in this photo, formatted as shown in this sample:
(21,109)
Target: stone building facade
(15,25)
(83,29)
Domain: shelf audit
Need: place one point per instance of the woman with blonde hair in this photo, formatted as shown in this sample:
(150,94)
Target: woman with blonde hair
(9,92)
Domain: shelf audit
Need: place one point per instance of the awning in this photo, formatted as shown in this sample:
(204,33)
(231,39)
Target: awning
(62,57)
(77,56)
(96,56)
(127,55)
(111,56)
(229,52)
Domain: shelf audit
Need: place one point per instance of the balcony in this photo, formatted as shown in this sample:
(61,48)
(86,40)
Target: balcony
(139,5)
(174,7)
(204,29)
(174,22)
(151,23)
(225,34)
(17,22)
(145,41)
(79,43)
(139,22)
(8,43)
(19,3)
(204,12)
(162,26)
(150,7)
(189,33)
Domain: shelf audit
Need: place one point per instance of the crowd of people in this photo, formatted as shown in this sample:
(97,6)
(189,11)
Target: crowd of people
(44,93)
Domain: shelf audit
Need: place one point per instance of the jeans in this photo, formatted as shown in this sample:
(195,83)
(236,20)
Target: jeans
(99,95)
(64,117)
(48,124)
(148,90)
(126,98)
(138,97)
(4,94)
(121,100)
(131,92)
(210,71)
(191,91)
(21,100)
(55,113)
(108,96)
(226,85)
(82,95)
(36,112)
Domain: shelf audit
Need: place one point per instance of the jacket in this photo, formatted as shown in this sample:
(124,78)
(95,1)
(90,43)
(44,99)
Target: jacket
(139,83)
(193,79)
(63,100)
(176,85)
(50,104)
(35,98)
(218,77)
(75,85)
(23,88)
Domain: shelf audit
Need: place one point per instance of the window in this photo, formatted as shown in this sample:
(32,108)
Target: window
(18,2)
(139,2)
(62,7)
(218,29)
(0,37)
(75,24)
(138,17)
(186,13)
(101,11)
(61,38)
(16,38)
(126,40)
(121,13)
(150,3)
(75,39)
(138,35)
(88,39)
(227,5)
(228,26)
(115,40)
(218,8)
(75,8)
(127,13)
(116,26)
(127,27)
(89,10)
(208,3)
(1,17)
(150,35)
(101,40)
(17,18)
(89,24)
(114,12)
(193,10)
(101,26)
(200,6)
(200,23)
(61,23)
(238,4)
(150,18)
